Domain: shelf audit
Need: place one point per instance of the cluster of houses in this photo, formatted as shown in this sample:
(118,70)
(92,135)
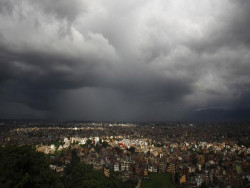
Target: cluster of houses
(190,164)
(217,155)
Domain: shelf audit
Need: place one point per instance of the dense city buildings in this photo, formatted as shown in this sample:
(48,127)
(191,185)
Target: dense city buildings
(195,154)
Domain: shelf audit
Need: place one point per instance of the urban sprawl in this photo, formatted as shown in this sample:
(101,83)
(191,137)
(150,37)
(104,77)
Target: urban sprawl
(217,154)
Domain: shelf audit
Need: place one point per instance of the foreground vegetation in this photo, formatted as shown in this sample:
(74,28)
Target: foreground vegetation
(25,167)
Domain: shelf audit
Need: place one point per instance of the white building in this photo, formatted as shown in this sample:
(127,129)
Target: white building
(116,167)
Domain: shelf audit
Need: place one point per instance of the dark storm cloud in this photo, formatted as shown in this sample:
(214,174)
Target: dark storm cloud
(121,60)
(36,79)
(62,9)
(232,30)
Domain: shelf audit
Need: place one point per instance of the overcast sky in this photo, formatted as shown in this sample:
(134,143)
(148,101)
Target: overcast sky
(125,60)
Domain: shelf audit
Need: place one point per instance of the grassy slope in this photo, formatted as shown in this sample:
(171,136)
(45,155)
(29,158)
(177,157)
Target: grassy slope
(158,181)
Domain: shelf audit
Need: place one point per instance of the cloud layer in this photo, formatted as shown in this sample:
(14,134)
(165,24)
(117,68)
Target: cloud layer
(124,60)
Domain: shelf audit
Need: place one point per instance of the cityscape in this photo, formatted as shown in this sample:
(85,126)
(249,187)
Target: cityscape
(191,154)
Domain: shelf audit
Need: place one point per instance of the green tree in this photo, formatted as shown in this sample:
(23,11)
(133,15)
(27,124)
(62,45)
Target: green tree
(131,149)
(25,167)
(105,144)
